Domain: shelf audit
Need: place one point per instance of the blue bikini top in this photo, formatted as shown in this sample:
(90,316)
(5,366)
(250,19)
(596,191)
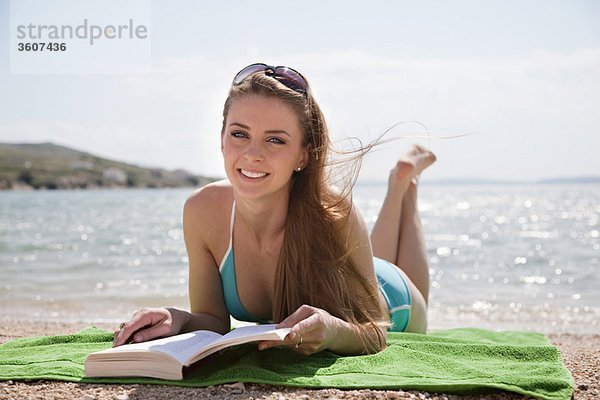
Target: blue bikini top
(227,270)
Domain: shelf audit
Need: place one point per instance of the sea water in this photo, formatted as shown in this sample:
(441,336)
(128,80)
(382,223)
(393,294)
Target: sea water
(503,257)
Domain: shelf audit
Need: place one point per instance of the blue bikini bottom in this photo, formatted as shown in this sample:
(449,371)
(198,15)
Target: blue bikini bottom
(396,293)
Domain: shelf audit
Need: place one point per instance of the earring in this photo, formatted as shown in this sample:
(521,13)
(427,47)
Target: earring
(298,169)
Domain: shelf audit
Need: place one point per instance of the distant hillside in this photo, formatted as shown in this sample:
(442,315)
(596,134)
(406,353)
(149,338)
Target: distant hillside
(50,166)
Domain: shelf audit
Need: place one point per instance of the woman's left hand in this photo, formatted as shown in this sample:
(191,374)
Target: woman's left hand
(313,330)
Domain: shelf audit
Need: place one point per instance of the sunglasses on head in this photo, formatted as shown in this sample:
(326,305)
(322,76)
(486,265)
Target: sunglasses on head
(287,76)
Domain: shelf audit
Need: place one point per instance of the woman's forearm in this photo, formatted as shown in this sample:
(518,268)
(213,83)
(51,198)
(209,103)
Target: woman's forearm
(199,321)
(350,339)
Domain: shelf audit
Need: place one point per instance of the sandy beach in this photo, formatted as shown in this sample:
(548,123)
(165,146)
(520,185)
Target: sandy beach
(580,353)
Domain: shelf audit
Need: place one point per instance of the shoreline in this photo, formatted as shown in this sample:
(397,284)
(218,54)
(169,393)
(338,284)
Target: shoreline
(529,319)
(579,351)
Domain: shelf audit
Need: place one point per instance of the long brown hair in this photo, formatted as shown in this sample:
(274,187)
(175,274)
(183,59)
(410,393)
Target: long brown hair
(315,267)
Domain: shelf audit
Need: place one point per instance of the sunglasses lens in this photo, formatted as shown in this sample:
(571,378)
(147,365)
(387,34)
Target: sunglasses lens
(287,76)
(291,79)
(246,72)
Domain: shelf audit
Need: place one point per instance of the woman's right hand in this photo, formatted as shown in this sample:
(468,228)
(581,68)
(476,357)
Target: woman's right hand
(150,323)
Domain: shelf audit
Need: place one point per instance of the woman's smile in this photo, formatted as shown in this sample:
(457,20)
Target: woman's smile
(252,175)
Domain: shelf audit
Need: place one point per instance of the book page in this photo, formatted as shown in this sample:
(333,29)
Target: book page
(186,345)
(244,334)
(181,347)
(267,330)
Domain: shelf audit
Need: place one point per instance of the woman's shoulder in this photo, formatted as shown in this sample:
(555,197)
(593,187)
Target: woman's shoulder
(352,222)
(210,193)
(210,200)
(206,216)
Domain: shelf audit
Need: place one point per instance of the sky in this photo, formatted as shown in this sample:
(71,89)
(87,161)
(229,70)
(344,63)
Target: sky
(498,89)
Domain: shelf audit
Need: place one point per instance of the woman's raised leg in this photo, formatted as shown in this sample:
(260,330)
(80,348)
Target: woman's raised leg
(397,235)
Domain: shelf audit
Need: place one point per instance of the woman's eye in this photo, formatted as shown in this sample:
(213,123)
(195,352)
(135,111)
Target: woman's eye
(238,134)
(276,140)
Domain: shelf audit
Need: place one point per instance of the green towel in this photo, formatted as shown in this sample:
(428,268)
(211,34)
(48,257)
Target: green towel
(462,361)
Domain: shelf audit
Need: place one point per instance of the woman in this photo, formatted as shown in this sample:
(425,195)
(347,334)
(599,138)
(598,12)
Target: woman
(274,242)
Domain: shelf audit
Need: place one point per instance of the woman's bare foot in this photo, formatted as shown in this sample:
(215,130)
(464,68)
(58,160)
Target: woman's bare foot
(409,167)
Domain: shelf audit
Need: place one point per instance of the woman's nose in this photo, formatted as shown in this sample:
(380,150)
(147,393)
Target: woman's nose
(254,152)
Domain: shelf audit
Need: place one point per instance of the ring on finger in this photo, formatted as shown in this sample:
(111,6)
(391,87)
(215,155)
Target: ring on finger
(299,343)
(121,325)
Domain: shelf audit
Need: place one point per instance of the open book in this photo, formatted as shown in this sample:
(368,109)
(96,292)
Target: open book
(165,358)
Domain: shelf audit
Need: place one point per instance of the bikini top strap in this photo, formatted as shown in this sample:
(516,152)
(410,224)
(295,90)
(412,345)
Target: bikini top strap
(230,247)
(231,225)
